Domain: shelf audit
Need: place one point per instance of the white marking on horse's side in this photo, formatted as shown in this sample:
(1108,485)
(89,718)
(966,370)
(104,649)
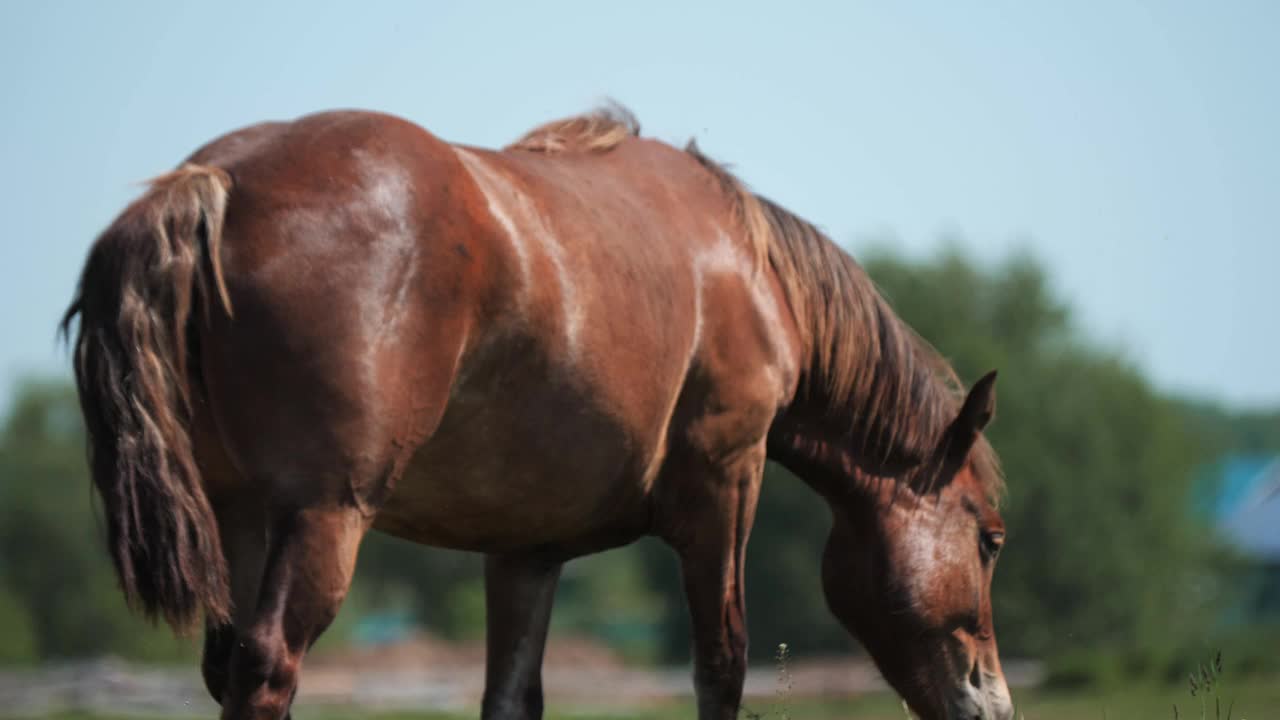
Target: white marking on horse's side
(388,192)
(569,303)
(728,257)
(509,204)
(495,187)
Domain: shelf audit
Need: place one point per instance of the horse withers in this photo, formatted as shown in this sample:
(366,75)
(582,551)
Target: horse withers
(315,328)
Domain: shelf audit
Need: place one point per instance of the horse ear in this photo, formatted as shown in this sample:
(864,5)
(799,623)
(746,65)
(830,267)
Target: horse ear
(979,406)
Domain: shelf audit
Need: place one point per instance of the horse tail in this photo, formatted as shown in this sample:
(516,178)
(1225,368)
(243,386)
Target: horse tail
(143,277)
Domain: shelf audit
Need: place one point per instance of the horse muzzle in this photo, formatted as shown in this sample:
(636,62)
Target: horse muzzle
(989,702)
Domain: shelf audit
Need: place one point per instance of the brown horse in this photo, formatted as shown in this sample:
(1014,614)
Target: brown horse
(319,327)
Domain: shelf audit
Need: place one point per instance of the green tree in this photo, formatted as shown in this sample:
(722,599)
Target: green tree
(58,595)
(440,589)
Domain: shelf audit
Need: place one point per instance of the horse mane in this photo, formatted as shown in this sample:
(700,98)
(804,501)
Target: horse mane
(874,377)
(866,366)
(598,131)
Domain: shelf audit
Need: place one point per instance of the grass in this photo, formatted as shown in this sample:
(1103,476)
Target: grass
(1254,700)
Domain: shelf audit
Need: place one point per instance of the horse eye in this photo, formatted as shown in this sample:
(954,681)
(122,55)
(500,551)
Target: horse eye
(992,541)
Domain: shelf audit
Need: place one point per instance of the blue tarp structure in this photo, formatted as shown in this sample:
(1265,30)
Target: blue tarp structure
(1242,496)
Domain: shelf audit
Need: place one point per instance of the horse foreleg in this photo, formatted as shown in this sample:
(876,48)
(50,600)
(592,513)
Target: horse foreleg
(311,557)
(519,593)
(719,631)
(712,549)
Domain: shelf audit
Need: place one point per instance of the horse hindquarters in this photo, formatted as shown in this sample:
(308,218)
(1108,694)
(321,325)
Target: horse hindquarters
(146,424)
(241,457)
(321,388)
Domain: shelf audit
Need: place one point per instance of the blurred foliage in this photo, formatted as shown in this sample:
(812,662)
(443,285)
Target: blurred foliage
(441,589)
(608,596)
(1253,432)
(58,594)
(1107,574)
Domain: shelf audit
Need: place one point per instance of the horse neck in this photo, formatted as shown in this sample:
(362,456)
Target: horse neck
(873,397)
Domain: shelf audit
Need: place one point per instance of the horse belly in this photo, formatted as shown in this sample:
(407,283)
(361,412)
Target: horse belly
(526,462)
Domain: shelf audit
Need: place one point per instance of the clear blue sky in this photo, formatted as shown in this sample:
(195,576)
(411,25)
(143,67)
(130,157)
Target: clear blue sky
(1134,147)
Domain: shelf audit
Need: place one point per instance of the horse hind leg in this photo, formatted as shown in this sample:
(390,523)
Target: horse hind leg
(219,639)
(243,530)
(310,560)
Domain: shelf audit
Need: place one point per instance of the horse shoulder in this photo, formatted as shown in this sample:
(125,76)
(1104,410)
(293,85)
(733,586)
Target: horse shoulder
(745,365)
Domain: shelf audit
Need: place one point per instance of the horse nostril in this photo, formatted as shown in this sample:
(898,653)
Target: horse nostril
(975,676)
